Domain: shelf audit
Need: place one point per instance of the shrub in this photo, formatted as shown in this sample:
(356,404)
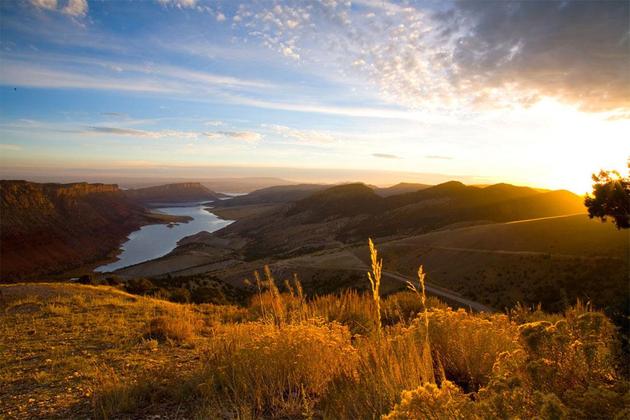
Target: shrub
(429,401)
(114,280)
(405,306)
(139,286)
(562,368)
(385,367)
(90,279)
(468,344)
(350,308)
(178,329)
(264,370)
(179,295)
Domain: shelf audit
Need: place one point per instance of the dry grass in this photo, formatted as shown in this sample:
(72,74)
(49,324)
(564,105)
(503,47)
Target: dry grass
(71,351)
(57,340)
(260,369)
(176,328)
(385,368)
(375,282)
(468,345)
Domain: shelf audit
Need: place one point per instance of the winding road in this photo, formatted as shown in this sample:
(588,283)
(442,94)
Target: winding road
(441,292)
(430,288)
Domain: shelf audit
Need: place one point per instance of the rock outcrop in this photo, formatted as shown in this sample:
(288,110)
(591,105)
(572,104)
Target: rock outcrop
(51,228)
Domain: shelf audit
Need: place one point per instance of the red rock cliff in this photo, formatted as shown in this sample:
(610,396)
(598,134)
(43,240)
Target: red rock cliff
(50,228)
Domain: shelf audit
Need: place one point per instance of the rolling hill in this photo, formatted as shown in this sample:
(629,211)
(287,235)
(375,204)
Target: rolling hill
(173,193)
(552,261)
(335,218)
(353,212)
(400,188)
(274,195)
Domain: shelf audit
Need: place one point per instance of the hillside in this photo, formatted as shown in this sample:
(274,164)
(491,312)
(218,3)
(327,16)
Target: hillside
(73,351)
(243,184)
(347,214)
(316,237)
(550,261)
(400,188)
(51,228)
(274,195)
(173,193)
(340,201)
(352,212)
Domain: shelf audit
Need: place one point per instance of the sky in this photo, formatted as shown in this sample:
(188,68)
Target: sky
(532,93)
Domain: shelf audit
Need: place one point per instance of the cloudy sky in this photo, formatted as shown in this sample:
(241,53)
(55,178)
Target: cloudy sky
(532,92)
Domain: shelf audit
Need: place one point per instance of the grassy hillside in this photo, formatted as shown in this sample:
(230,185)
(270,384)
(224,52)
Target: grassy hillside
(349,213)
(551,261)
(73,351)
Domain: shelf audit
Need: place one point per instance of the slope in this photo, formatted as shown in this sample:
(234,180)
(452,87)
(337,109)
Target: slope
(49,228)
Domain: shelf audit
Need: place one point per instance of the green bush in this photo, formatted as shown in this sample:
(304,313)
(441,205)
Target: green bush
(139,286)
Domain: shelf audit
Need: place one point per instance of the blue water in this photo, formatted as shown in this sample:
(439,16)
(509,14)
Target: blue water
(154,241)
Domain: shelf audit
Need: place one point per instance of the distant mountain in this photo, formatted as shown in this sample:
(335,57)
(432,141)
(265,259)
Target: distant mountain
(243,185)
(227,185)
(51,228)
(174,193)
(349,213)
(401,188)
(453,202)
(339,201)
(274,195)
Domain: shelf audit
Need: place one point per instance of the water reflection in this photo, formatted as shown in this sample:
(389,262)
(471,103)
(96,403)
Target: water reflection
(153,241)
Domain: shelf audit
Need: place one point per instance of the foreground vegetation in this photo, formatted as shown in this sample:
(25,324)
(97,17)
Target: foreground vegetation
(73,350)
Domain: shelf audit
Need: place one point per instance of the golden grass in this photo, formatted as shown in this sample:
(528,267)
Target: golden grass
(260,369)
(168,328)
(375,282)
(432,402)
(71,351)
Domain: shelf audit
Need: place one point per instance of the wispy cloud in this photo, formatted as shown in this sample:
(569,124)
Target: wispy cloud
(143,133)
(20,73)
(301,136)
(246,136)
(64,71)
(45,4)
(385,156)
(348,111)
(10,147)
(76,8)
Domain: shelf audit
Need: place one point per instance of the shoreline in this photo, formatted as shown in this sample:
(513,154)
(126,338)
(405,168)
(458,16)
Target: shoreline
(161,219)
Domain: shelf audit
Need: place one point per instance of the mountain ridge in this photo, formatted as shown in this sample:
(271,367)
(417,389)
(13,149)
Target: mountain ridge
(172,193)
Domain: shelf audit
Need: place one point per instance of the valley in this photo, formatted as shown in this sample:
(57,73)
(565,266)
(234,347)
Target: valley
(65,230)
(479,244)
(263,282)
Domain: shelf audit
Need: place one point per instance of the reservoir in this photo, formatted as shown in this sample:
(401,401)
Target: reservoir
(154,241)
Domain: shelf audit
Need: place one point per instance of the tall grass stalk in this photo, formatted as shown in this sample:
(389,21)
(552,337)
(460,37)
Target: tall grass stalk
(426,344)
(375,282)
